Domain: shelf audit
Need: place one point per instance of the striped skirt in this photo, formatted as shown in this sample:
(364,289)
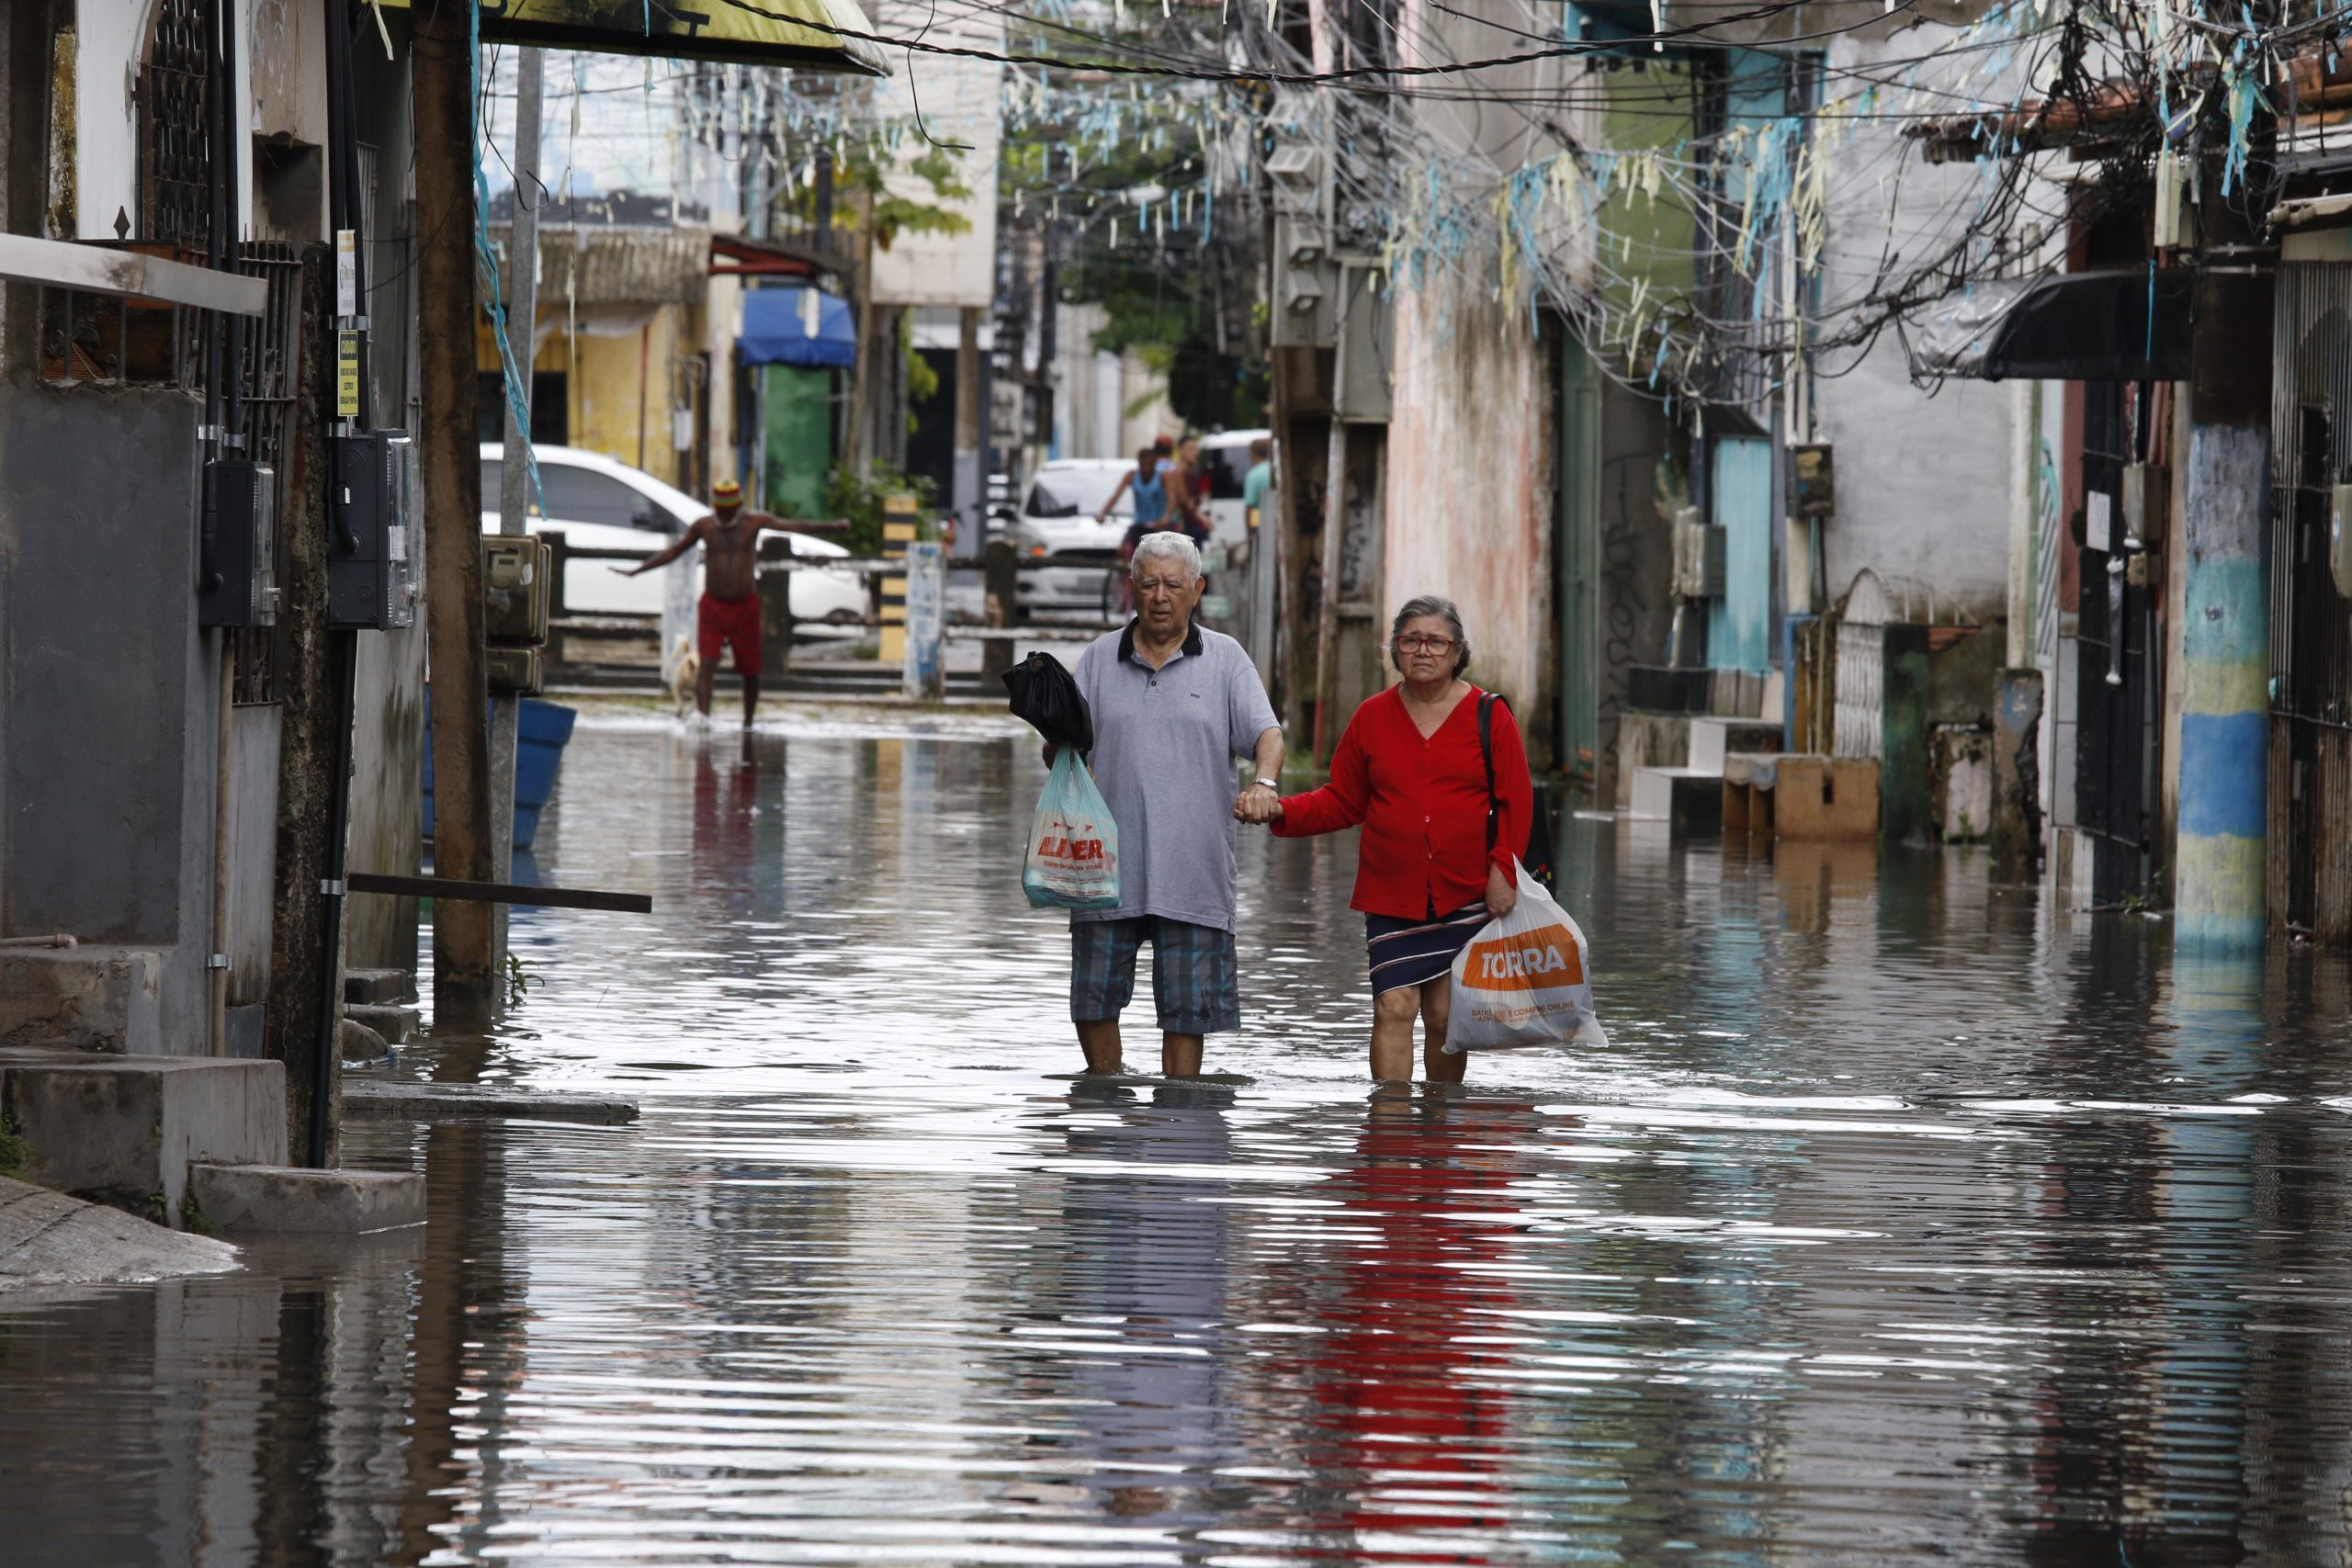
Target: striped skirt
(1414,952)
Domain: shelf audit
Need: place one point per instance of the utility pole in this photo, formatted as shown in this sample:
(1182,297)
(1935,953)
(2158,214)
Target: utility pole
(860,452)
(514,474)
(464,971)
(970,457)
(2221,844)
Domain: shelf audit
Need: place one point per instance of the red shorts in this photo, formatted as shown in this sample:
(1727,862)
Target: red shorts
(729,623)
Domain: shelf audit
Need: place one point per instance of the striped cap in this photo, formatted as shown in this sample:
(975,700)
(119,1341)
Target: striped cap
(727,492)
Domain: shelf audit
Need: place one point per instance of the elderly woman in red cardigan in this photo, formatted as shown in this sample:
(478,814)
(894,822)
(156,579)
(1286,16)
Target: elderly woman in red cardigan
(1435,861)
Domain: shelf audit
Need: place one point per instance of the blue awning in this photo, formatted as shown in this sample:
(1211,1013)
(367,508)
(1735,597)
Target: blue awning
(775,329)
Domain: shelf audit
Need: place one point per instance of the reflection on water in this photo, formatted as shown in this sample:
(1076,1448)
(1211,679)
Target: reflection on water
(1907,1220)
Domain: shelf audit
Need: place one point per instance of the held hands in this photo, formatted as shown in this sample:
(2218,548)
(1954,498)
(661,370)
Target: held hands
(1258,803)
(1503,895)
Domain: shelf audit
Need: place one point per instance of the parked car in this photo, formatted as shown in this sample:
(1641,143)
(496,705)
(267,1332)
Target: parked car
(601,504)
(1056,527)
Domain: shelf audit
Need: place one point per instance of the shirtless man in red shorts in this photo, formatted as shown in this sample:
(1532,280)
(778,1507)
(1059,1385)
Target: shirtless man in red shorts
(729,615)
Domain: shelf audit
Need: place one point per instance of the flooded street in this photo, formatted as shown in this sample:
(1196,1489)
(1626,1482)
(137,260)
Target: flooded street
(1903,1220)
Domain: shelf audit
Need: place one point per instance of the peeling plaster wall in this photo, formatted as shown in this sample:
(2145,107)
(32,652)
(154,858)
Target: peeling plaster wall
(110,35)
(285,40)
(1470,501)
(1924,489)
(111,42)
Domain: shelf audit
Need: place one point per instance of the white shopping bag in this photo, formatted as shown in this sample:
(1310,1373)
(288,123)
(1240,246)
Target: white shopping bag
(1522,980)
(1073,860)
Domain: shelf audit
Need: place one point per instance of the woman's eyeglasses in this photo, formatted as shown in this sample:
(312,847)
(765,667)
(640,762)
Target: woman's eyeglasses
(1426,644)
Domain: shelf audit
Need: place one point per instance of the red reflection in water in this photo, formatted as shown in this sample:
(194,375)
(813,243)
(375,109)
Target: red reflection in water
(1410,1438)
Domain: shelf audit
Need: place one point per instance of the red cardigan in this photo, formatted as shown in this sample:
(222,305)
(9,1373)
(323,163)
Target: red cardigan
(1422,805)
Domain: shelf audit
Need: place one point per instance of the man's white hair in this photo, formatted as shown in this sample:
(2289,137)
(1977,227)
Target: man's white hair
(1168,545)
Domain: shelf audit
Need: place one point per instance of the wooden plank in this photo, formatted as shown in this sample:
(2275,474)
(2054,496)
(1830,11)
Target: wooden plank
(501,893)
(98,269)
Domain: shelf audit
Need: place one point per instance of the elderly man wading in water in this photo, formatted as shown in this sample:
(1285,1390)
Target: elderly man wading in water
(1174,706)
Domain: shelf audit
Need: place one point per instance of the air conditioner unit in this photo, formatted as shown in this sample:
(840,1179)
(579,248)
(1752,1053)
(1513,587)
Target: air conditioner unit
(1297,165)
(1698,557)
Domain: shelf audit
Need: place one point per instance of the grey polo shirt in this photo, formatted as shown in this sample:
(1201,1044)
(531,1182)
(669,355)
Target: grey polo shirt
(1165,743)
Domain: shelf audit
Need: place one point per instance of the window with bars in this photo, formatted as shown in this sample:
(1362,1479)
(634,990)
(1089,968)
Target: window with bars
(88,337)
(271,377)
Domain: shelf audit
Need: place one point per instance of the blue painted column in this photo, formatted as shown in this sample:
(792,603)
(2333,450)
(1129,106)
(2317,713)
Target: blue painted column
(2225,625)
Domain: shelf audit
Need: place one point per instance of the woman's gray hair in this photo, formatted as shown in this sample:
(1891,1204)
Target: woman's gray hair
(1166,544)
(1430,604)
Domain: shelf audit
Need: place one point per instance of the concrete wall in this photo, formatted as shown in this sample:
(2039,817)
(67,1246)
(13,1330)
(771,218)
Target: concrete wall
(111,706)
(253,848)
(1469,483)
(622,383)
(1105,405)
(1471,488)
(387,733)
(1924,486)
(1637,564)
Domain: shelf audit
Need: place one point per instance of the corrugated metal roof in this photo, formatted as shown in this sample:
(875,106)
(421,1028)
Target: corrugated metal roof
(599,263)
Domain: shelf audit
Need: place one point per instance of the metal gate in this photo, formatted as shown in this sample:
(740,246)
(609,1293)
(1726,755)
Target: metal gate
(2311,622)
(1858,687)
(2119,696)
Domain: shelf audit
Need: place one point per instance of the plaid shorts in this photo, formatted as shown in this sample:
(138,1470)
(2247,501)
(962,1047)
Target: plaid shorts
(1194,972)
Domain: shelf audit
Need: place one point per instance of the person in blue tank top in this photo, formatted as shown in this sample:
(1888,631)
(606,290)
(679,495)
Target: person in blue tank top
(1147,482)
(1151,488)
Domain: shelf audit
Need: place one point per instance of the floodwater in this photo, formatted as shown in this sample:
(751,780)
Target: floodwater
(1905,1220)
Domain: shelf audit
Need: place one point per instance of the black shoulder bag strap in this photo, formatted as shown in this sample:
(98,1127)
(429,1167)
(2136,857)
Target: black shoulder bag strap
(1487,701)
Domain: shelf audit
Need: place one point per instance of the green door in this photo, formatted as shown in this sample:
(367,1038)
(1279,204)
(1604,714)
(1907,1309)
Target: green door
(800,439)
(1579,556)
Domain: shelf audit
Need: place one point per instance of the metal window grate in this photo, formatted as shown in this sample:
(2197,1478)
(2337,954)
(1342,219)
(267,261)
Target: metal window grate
(272,374)
(2118,685)
(174,144)
(2310,623)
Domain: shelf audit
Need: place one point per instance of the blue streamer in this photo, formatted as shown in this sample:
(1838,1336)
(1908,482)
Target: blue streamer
(516,409)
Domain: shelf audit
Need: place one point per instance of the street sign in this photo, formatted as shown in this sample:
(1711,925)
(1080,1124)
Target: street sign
(346,375)
(346,272)
(926,678)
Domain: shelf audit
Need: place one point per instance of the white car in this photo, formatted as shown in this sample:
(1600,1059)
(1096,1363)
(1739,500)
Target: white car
(1076,555)
(597,503)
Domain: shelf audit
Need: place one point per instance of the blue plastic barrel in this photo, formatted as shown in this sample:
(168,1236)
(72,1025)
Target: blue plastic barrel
(542,729)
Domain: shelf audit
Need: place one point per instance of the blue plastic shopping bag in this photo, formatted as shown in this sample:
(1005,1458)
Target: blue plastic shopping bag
(1073,861)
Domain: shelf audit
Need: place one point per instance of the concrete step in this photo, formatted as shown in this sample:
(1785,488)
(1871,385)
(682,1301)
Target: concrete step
(1713,739)
(47,1239)
(395,1025)
(378,987)
(864,677)
(280,1198)
(123,1130)
(361,1045)
(1796,795)
(1690,799)
(383,1100)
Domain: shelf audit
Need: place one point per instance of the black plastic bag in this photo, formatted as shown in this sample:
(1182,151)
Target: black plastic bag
(1045,694)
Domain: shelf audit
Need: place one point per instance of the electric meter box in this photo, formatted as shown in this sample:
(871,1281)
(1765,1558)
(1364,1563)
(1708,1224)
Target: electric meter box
(518,581)
(237,573)
(519,671)
(371,534)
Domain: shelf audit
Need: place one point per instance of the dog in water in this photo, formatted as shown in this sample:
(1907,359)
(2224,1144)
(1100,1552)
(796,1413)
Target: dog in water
(685,670)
